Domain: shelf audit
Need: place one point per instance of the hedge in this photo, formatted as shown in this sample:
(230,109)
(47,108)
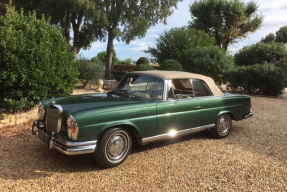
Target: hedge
(265,79)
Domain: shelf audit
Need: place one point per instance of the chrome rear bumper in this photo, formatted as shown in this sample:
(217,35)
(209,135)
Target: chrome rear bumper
(249,115)
(62,145)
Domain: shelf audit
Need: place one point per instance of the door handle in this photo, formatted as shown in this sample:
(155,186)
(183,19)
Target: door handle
(197,108)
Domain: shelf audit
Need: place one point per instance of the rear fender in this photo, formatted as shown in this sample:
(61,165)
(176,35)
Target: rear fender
(225,112)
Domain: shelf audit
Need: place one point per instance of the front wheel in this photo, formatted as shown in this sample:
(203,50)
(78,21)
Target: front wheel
(113,148)
(222,126)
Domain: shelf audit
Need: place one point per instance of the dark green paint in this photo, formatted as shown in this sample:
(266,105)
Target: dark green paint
(97,112)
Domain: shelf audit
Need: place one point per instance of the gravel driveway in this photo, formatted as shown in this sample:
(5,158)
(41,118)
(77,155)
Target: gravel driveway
(252,158)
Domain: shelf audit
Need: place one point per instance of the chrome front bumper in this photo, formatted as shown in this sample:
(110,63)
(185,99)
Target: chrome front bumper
(249,115)
(60,144)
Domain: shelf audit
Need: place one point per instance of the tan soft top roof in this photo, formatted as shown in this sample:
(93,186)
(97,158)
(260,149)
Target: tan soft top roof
(183,75)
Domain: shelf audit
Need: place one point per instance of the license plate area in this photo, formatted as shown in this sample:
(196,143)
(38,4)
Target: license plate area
(44,137)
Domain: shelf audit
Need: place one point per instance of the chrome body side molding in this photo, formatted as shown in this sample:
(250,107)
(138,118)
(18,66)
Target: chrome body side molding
(176,134)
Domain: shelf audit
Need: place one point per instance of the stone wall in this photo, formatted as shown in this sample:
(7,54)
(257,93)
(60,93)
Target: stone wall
(17,118)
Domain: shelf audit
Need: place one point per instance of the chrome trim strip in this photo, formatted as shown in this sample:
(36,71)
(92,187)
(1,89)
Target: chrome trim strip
(178,133)
(249,115)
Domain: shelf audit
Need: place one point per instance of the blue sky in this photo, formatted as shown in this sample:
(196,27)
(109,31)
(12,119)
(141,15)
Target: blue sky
(275,16)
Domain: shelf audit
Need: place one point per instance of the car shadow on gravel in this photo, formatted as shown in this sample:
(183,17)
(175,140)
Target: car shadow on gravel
(151,146)
(24,157)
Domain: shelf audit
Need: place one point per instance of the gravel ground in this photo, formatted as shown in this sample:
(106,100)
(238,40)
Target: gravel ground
(252,158)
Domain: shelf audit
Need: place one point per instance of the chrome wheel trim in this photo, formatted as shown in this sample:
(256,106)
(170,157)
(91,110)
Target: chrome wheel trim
(117,146)
(224,125)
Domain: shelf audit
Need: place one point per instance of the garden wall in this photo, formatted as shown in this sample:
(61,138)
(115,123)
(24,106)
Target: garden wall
(17,118)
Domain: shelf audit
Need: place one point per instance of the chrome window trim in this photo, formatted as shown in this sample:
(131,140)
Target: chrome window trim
(178,133)
(203,82)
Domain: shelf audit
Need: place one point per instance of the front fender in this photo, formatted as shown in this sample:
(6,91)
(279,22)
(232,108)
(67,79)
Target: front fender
(141,118)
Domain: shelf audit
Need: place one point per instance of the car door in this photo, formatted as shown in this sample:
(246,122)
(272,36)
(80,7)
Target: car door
(181,110)
(210,105)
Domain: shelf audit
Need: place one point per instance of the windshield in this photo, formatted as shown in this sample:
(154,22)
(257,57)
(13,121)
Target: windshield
(143,86)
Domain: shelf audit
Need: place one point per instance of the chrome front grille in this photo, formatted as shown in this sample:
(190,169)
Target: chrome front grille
(54,118)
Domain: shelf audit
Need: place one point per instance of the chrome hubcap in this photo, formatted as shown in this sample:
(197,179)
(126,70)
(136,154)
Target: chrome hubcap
(117,146)
(224,125)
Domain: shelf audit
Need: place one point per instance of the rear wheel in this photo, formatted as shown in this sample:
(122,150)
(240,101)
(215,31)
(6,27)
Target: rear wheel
(222,126)
(113,148)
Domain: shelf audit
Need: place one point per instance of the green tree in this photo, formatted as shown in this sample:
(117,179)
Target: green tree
(126,20)
(210,61)
(260,53)
(270,38)
(281,35)
(102,20)
(90,71)
(101,58)
(226,20)
(143,68)
(81,17)
(2,7)
(172,44)
(142,61)
(34,61)
(171,65)
(127,61)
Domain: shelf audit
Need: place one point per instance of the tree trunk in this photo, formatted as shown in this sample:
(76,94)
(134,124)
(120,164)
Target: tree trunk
(77,29)
(76,51)
(225,45)
(110,53)
(66,25)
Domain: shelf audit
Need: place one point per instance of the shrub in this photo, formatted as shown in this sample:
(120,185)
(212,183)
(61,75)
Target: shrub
(266,79)
(281,35)
(127,67)
(127,61)
(210,61)
(171,65)
(142,60)
(261,53)
(90,71)
(172,44)
(143,68)
(34,61)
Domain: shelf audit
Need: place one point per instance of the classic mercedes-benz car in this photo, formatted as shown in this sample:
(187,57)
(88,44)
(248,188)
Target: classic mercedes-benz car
(146,106)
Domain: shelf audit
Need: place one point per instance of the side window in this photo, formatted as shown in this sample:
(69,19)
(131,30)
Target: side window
(182,88)
(200,89)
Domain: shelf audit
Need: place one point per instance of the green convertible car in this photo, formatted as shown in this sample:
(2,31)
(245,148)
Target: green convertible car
(145,106)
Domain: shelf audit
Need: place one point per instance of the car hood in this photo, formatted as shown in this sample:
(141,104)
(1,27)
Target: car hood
(79,103)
